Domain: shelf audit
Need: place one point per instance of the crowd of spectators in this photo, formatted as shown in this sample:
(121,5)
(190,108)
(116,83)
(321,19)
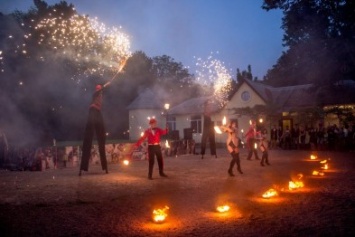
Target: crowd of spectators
(332,138)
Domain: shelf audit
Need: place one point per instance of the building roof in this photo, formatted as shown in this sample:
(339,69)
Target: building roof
(146,100)
(303,96)
(195,106)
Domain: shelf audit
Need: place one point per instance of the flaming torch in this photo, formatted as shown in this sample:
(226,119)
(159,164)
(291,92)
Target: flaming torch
(167,144)
(159,215)
(218,129)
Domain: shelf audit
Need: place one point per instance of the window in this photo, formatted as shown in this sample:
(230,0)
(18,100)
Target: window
(171,123)
(196,124)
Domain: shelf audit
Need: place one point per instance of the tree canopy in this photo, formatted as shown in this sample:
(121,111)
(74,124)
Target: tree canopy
(320,41)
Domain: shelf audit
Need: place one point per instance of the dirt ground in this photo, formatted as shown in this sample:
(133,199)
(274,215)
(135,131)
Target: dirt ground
(60,203)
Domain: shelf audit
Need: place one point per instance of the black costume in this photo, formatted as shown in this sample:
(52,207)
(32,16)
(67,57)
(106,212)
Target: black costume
(208,133)
(95,123)
(235,158)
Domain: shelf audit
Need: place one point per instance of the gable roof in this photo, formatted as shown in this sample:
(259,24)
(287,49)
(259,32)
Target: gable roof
(146,100)
(195,106)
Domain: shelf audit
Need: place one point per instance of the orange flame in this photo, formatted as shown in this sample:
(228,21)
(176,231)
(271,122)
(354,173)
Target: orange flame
(313,157)
(270,193)
(224,121)
(217,130)
(223,208)
(167,144)
(295,185)
(316,172)
(159,215)
(126,162)
(325,167)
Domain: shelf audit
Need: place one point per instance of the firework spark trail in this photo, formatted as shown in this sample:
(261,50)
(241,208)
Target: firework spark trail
(213,72)
(85,41)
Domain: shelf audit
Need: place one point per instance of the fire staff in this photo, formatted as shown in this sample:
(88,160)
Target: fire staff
(153,134)
(95,123)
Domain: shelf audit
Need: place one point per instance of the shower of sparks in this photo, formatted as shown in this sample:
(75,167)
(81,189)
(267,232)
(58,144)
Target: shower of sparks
(212,72)
(91,46)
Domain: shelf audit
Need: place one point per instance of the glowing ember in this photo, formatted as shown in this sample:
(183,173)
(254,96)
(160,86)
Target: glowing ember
(126,162)
(317,173)
(159,215)
(295,185)
(270,193)
(223,208)
(224,121)
(217,130)
(313,157)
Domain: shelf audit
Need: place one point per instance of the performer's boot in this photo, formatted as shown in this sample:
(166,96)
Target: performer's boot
(238,166)
(231,165)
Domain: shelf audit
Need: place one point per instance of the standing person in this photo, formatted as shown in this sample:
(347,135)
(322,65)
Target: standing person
(153,134)
(95,123)
(232,147)
(264,149)
(273,137)
(4,147)
(251,139)
(208,131)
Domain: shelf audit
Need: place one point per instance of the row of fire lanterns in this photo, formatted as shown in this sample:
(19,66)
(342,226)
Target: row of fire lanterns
(160,215)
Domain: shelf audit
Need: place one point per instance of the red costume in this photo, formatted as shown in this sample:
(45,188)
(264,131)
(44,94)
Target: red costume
(153,136)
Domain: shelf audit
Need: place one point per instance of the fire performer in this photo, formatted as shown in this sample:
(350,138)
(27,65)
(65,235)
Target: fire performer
(95,122)
(251,136)
(232,146)
(264,149)
(208,131)
(153,134)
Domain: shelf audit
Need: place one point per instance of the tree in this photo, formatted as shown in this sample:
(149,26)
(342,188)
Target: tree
(320,40)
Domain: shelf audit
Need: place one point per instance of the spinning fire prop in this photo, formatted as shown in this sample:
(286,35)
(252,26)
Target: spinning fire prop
(159,215)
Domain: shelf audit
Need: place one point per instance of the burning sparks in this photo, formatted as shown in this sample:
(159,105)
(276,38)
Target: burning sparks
(270,193)
(223,208)
(159,215)
(213,72)
(88,43)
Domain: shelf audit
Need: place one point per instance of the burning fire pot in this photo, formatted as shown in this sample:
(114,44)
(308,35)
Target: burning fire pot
(223,208)
(159,215)
(270,193)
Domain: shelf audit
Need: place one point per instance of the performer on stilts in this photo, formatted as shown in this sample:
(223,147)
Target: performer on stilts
(95,124)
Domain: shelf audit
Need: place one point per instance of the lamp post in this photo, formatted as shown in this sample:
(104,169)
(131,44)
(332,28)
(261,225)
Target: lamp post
(166,107)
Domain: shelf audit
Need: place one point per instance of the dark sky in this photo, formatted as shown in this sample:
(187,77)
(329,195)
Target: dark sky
(236,32)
